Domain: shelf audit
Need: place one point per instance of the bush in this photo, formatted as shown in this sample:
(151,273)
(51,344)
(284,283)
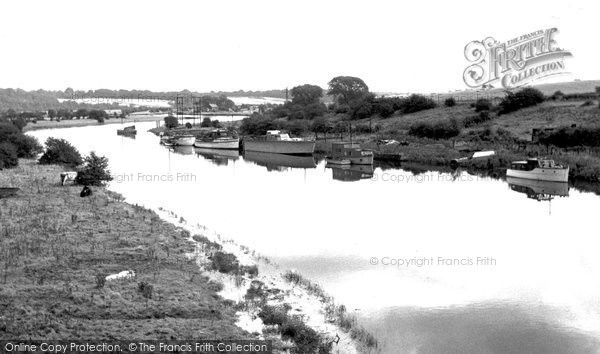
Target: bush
(25,146)
(450,102)
(568,137)
(8,156)
(60,151)
(225,262)
(437,130)
(206,122)
(477,119)
(171,122)
(188,125)
(523,98)
(146,289)
(273,315)
(95,171)
(416,103)
(482,104)
(256,124)
(306,339)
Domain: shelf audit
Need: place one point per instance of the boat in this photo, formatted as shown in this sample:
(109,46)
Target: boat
(337,161)
(130,130)
(279,143)
(183,140)
(539,170)
(352,152)
(218,139)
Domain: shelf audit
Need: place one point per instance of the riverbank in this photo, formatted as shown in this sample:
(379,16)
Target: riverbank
(72,123)
(98,267)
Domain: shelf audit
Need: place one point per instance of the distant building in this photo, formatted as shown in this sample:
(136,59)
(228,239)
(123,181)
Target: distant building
(113,112)
(213,107)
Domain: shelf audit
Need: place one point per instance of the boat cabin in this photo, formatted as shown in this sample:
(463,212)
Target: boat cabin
(345,149)
(531,164)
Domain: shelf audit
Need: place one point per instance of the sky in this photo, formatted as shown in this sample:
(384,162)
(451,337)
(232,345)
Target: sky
(394,46)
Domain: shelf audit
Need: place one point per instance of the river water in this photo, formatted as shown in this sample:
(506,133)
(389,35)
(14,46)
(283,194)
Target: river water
(430,262)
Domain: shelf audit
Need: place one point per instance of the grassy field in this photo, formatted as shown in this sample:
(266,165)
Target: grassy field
(57,249)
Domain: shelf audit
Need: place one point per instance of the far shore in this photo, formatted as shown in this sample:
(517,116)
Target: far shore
(72,123)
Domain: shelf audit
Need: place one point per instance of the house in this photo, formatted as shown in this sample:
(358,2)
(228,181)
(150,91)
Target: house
(213,107)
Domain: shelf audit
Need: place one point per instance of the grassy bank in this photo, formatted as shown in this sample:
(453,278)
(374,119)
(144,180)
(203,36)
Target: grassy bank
(46,124)
(58,248)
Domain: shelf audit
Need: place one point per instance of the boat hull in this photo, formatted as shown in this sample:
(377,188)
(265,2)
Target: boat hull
(229,144)
(281,147)
(184,141)
(366,159)
(541,174)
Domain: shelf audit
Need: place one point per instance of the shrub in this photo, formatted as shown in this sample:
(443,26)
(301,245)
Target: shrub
(306,339)
(95,171)
(568,137)
(256,124)
(60,151)
(146,289)
(25,146)
(225,262)
(476,119)
(416,103)
(100,280)
(206,122)
(188,125)
(273,315)
(482,104)
(437,130)
(450,102)
(171,122)
(28,146)
(8,156)
(523,98)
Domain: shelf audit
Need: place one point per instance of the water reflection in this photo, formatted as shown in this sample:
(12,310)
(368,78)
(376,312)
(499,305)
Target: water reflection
(183,150)
(218,157)
(279,162)
(351,173)
(538,190)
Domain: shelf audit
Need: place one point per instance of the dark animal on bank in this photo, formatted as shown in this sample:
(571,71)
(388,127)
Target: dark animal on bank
(85,192)
(67,176)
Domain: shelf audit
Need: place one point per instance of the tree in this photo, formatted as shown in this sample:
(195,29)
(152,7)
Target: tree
(51,114)
(450,102)
(171,122)
(60,151)
(306,94)
(206,122)
(95,171)
(8,156)
(81,113)
(347,89)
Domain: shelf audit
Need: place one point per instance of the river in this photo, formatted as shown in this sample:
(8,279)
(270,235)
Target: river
(430,262)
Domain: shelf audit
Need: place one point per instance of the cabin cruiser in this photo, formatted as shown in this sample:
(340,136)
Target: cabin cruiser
(539,170)
(279,143)
(218,139)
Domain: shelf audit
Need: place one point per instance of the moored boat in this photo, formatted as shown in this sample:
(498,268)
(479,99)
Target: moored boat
(130,130)
(218,139)
(337,161)
(183,140)
(351,152)
(279,143)
(539,170)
